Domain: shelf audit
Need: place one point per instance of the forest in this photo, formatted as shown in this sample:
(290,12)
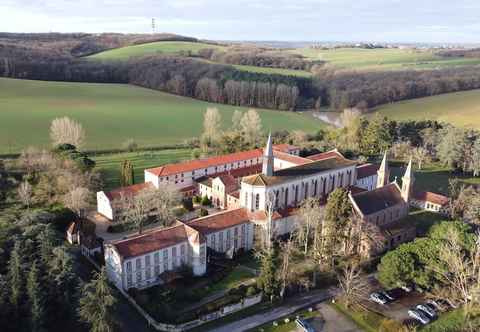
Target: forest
(58,57)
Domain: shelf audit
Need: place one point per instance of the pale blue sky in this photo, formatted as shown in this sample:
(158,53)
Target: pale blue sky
(301,20)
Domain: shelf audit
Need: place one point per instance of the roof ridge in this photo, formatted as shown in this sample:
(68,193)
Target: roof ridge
(178,223)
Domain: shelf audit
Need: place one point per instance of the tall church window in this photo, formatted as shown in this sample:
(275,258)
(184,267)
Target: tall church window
(315,184)
(257,201)
(296,194)
(286,197)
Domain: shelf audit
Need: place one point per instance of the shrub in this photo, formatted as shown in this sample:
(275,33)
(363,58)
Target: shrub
(179,212)
(203,212)
(187,204)
(251,291)
(197,199)
(206,201)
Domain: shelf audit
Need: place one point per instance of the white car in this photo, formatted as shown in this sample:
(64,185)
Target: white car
(427,310)
(378,298)
(434,304)
(418,315)
(388,296)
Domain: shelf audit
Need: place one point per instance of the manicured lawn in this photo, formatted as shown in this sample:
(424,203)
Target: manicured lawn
(109,164)
(113,113)
(232,280)
(459,108)
(382,59)
(366,320)
(162,47)
(434,178)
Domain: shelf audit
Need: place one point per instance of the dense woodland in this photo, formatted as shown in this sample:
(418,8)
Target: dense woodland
(56,57)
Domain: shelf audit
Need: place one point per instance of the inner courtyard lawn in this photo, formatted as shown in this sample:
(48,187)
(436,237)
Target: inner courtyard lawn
(113,113)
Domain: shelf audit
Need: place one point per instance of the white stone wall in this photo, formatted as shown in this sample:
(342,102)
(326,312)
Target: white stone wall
(293,192)
(240,236)
(143,271)
(367,183)
(104,206)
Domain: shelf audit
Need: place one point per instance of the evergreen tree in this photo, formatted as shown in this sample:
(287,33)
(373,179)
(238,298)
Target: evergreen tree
(36,299)
(97,304)
(267,280)
(15,276)
(376,136)
(46,241)
(126,173)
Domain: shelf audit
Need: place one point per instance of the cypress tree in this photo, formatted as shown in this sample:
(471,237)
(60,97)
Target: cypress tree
(36,299)
(15,276)
(126,173)
(97,304)
(267,280)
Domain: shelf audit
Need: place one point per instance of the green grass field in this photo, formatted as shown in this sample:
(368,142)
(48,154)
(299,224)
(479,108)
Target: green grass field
(459,108)
(382,59)
(113,113)
(124,53)
(109,164)
(164,47)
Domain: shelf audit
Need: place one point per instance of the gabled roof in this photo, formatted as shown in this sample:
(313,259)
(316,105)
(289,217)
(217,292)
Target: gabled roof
(219,221)
(291,158)
(376,200)
(128,191)
(366,170)
(228,180)
(284,175)
(157,239)
(285,147)
(428,196)
(192,165)
(326,155)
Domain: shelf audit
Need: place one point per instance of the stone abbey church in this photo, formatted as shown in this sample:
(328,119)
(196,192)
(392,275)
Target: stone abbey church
(245,187)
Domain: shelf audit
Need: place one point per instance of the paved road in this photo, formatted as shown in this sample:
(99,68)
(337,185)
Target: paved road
(286,309)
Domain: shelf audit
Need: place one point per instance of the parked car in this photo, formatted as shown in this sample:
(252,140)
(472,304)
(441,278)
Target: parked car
(304,325)
(396,293)
(378,298)
(419,316)
(435,304)
(387,295)
(447,303)
(425,309)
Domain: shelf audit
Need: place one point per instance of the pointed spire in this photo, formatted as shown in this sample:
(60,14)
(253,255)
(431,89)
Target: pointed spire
(407,182)
(383,173)
(267,166)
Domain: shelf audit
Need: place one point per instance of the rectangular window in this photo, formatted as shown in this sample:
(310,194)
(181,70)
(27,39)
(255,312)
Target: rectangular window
(147,260)
(138,263)
(220,240)
(129,266)
(156,258)
(148,273)
(229,239)
(202,253)
(157,270)
(129,280)
(139,277)
(165,260)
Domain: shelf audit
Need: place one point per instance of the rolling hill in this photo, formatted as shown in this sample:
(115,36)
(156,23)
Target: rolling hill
(460,109)
(112,113)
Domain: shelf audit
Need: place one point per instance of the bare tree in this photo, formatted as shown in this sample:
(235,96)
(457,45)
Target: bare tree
(137,208)
(236,120)
(421,156)
(268,231)
(65,130)
(251,125)
(25,193)
(78,200)
(164,200)
(286,250)
(354,286)
(310,223)
(211,128)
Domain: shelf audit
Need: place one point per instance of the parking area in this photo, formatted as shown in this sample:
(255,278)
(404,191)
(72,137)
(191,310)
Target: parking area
(397,303)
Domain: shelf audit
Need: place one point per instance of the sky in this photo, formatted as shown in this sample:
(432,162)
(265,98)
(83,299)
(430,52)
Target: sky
(441,21)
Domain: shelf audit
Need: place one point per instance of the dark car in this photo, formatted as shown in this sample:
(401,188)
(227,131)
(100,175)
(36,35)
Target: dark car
(304,325)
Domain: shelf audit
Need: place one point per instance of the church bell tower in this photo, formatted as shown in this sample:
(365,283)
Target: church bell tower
(407,182)
(267,163)
(383,173)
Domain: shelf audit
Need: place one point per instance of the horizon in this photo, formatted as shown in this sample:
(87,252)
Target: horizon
(345,21)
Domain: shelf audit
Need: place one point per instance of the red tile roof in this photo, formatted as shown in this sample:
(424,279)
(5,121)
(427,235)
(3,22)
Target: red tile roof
(192,165)
(228,180)
(428,196)
(326,155)
(291,158)
(157,239)
(285,147)
(262,216)
(219,221)
(235,194)
(128,191)
(366,170)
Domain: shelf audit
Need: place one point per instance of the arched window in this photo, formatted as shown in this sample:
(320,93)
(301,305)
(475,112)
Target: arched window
(306,190)
(296,194)
(246,199)
(257,201)
(286,197)
(315,184)
(277,195)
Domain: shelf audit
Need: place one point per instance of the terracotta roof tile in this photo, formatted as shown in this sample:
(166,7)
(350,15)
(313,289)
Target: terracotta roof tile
(378,199)
(156,239)
(228,180)
(219,221)
(285,147)
(428,196)
(326,155)
(291,158)
(366,170)
(128,191)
